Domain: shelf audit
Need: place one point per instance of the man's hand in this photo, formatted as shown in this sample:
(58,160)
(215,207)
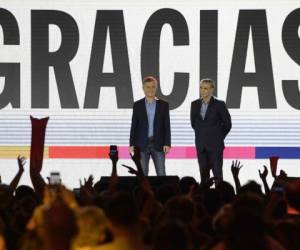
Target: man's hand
(166,149)
(131,149)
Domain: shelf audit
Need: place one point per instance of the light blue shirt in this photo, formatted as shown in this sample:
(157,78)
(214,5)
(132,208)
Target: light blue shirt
(203,109)
(150,108)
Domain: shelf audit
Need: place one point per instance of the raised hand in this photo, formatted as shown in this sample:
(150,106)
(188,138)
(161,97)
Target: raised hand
(15,181)
(131,170)
(263,175)
(136,156)
(235,168)
(87,190)
(88,183)
(114,156)
(21,163)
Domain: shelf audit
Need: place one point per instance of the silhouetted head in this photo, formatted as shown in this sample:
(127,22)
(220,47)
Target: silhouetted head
(287,232)
(212,201)
(251,186)
(92,226)
(122,209)
(171,235)
(24,191)
(166,192)
(59,222)
(226,192)
(292,193)
(181,208)
(6,197)
(246,227)
(185,184)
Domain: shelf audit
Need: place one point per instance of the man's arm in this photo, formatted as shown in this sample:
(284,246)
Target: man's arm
(226,118)
(193,116)
(134,123)
(167,141)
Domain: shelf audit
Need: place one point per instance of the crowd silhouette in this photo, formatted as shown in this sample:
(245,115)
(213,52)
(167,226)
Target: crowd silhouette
(181,215)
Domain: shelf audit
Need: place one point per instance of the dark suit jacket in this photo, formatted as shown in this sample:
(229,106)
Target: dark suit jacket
(210,132)
(161,128)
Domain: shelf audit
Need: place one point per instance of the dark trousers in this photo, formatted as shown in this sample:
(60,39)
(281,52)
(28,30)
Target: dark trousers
(210,160)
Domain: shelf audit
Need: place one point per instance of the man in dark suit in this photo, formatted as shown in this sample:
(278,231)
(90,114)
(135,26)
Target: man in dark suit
(211,122)
(150,128)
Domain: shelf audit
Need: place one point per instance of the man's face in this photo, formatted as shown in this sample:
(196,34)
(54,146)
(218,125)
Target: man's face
(206,90)
(149,89)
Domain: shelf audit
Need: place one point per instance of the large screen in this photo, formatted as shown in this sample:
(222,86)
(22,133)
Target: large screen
(82,63)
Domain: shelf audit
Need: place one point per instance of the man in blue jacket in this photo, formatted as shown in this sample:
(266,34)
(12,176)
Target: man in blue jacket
(150,128)
(211,122)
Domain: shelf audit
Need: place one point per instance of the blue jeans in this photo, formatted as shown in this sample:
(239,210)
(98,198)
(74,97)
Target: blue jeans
(158,158)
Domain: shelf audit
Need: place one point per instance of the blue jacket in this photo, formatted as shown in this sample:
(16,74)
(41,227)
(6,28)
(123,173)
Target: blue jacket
(161,127)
